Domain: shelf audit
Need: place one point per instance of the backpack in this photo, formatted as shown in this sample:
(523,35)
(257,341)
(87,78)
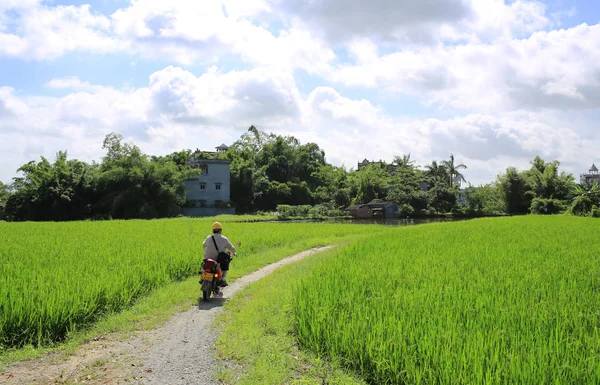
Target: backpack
(222,258)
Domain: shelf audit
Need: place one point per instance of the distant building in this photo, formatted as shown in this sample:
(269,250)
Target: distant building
(366,162)
(222,148)
(208,190)
(377,208)
(591,176)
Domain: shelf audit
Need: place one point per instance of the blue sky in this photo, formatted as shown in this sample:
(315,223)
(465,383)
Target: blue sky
(427,81)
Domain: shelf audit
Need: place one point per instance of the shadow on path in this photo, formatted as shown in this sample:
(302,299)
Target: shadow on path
(212,303)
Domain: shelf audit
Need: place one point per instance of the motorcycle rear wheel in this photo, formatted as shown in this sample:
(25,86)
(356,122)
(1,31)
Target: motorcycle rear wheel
(205,295)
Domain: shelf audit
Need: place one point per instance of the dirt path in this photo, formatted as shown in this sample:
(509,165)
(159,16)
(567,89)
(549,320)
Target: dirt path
(178,352)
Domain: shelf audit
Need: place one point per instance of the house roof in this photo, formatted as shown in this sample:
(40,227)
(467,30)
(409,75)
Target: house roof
(223,146)
(379,203)
(593,168)
(207,161)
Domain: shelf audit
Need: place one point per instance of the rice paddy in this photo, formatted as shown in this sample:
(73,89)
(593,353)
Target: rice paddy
(494,301)
(56,278)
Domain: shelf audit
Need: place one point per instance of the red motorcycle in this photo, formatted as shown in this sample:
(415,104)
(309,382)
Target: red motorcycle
(211,277)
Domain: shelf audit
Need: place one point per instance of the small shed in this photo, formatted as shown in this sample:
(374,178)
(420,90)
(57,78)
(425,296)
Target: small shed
(377,208)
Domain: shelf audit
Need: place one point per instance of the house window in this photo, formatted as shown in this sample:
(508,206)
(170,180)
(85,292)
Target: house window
(204,169)
(217,186)
(202,203)
(202,186)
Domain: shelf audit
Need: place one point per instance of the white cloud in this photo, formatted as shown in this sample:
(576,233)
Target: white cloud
(181,110)
(557,69)
(43,32)
(263,96)
(17,4)
(517,88)
(10,105)
(189,32)
(73,83)
(417,22)
(341,21)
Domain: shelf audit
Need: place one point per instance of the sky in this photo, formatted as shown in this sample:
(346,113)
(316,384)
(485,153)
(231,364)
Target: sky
(493,82)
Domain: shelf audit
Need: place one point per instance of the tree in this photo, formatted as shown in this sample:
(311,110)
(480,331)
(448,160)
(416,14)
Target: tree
(405,185)
(436,173)
(513,186)
(5,191)
(485,199)
(258,160)
(131,185)
(57,191)
(370,182)
(453,170)
(545,182)
(586,197)
(404,161)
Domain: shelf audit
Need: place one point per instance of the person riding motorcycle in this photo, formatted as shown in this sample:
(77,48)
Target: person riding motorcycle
(218,240)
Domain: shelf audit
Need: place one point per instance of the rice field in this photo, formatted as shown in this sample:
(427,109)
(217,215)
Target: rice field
(494,301)
(56,278)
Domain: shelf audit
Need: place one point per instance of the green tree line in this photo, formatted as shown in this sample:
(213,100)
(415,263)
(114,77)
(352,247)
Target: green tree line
(269,170)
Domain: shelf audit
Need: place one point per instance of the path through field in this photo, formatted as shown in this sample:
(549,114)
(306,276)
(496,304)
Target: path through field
(178,352)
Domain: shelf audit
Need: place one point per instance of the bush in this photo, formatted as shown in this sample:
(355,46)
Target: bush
(581,206)
(307,211)
(405,210)
(595,212)
(288,211)
(546,206)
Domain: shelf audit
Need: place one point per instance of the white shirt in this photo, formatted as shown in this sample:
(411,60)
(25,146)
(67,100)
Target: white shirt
(209,246)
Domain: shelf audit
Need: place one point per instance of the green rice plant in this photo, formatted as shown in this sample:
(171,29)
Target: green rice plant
(56,278)
(494,301)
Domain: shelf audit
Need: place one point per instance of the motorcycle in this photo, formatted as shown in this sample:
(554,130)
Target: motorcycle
(210,277)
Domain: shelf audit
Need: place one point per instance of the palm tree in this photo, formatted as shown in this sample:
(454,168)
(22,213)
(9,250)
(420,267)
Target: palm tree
(404,161)
(585,197)
(436,172)
(453,170)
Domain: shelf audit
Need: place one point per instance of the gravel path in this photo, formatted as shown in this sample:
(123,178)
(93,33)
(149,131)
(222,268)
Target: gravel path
(178,352)
(183,355)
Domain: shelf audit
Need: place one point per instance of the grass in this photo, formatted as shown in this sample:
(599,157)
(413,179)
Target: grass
(256,336)
(494,301)
(59,280)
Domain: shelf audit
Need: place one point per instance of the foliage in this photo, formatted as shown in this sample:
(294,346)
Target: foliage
(287,211)
(320,211)
(442,198)
(546,206)
(405,210)
(542,181)
(62,190)
(268,170)
(485,200)
(495,301)
(371,182)
(585,198)
(81,271)
(126,184)
(513,187)
(5,192)
(452,169)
